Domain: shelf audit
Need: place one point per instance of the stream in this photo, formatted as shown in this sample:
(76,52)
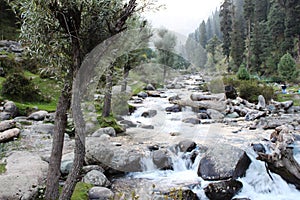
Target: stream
(257,184)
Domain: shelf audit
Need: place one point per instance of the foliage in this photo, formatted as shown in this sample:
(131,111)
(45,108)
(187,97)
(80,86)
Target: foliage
(18,87)
(243,74)
(2,168)
(110,121)
(250,90)
(287,67)
(8,22)
(81,191)
(216,85)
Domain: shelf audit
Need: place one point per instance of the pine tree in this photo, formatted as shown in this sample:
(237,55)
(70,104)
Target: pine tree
(226,28)
(248,15)
(209,30)
(203,34)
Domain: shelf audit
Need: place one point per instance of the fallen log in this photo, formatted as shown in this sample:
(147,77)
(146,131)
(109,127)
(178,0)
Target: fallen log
(282,161)
(9,134)
(284,165)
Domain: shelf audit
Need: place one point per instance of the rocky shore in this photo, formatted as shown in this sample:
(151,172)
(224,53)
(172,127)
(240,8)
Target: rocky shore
(212,133)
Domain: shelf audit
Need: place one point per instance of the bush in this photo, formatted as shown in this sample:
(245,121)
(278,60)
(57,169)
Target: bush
(250,90)
(243,74)
(110,122)
(17,87)
(287,67)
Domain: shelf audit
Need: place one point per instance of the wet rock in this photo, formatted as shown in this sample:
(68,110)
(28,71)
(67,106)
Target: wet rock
(254,115)
(174,108)
(142,95)
(230,92)
(25,173)
(223,190)
(192,121)
(38,116)
(11,108)
(107,130)
(138,101)
(162,159)
(9,134)
(153,147)
(100,193)
(149,113)
(187,145)
(7,124)
(223,162)
(96,178)
(258,148)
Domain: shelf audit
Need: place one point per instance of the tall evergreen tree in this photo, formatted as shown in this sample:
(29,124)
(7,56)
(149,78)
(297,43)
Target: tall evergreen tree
(209,30)
(203,34)
(226,27)
(238,42)
(248,15)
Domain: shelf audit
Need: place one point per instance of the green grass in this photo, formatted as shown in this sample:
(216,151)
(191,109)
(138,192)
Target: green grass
(2,168)
(287,97)
(49,88)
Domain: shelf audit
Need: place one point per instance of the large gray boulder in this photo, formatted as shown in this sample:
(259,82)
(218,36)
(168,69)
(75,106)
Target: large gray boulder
(107,130)
(42,129)
(9,134)
(214,114)
(223,190)
(7,124)
(121,158)
(38,116)
(223,161)
(25,173)
(96,178)
(67,163)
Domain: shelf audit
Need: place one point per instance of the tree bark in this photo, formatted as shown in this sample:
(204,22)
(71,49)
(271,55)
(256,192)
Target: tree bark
(108,95)
(285,165)
(58,140)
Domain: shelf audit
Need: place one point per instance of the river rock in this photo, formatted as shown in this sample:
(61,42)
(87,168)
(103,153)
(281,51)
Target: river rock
(233,115)
(214,114)
(149,87)
(142,95)
(153,93)
(107,130)
(162,159)
(255,114)
(230,92)
(282,105)
(5,116)
(9,134)
(100,193)
(173,98)
(96,178)
(11,108)
(202,97)
(42,129)
(149,113)
(261,102)
(203,115)
(192,120)
(174,108)
(223,190)
(7,124)
(128,123)
(146,126)
(38,116)
(121,158)
(187,145)
(25,173)
(258,148)
(67,163)
(223,161)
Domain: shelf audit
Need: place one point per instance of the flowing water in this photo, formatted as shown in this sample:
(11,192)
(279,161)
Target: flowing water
(257,184)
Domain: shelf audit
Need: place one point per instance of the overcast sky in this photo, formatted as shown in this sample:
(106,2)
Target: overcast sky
(183,16)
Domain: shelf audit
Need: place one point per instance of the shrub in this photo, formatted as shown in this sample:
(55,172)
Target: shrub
(287,67)
(250,90)
(243,74)
(17,87)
